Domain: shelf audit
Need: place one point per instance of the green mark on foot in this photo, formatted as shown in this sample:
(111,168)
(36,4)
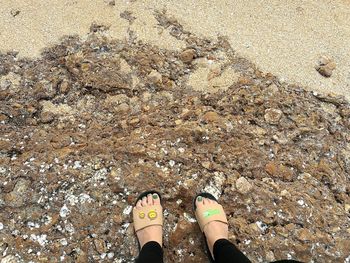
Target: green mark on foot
(211,212)
(155,196)
(199,198)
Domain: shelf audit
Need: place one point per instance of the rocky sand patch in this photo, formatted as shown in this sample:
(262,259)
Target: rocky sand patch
(95,121)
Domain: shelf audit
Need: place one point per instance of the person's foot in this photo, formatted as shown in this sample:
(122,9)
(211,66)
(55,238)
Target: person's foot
(214,230)
(150,233)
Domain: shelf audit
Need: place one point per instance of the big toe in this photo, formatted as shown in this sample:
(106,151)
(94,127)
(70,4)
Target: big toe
(199,201)
(156,199)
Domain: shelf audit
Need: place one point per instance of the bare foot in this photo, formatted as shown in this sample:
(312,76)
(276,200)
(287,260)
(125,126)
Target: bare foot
(213,230)
(150,233)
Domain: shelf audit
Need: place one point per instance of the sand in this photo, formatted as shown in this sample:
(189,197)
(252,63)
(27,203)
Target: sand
(284,38)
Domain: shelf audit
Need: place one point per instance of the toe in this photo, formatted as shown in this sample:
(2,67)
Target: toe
(205,201)
(144,201)
(209,201)
(149,199)
(212,201)
(156,199)
(199,201)
(138,204)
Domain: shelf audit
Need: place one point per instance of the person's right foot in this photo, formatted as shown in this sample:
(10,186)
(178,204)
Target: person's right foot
(149,233)
(214,230)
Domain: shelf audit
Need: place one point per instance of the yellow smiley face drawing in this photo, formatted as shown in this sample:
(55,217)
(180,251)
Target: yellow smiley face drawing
(142,215)
(152,214)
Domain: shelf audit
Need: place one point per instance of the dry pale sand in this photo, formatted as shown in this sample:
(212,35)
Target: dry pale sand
(285,38)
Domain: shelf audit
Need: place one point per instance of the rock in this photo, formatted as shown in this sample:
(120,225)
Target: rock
(243,186)
(44,90)
(112,101)
(81,257)
(3,245)
(285,193)
(188,55)
(178,122)
(5,84)
(15,12)
(125,67)
(201,62)
(110,2)
(64,87)
(11,80)
(155,77)
(95,27)
(279,170)
(304,234)
(100,246)
(260,132)
(9,259)
(206,165)
(146,96)
(134,121)
(128,16)
(270,256)
(60,141)
(182,229)
(281,138)
(325,66)
(347,208)
(61,109)
(245,81)
(124,107)
(215,184)
(124,124)
(19,194)
(273,116)
(47,117)
(3,117)
(337,100)
(211,116)
(272,89)
(254,228)
(168,83)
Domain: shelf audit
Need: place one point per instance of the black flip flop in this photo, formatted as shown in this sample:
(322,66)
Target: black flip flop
(211,197)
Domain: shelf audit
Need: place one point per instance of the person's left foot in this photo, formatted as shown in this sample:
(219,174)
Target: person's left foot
(150,233)
(214,230)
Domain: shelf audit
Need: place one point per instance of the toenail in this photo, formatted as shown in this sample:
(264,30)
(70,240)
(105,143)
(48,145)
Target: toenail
(199,198)
(155,196)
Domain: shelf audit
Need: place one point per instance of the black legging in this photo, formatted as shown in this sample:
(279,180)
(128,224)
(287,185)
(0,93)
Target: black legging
(152,252)
(224,252)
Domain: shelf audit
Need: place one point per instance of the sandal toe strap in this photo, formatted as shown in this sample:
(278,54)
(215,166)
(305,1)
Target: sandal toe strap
(209,213)
(147,216)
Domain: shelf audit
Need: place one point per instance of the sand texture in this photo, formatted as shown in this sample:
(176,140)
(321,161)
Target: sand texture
(285,38)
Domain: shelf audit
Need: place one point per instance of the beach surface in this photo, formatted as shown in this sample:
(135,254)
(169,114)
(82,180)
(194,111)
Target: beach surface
(101,100)
(286,38)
